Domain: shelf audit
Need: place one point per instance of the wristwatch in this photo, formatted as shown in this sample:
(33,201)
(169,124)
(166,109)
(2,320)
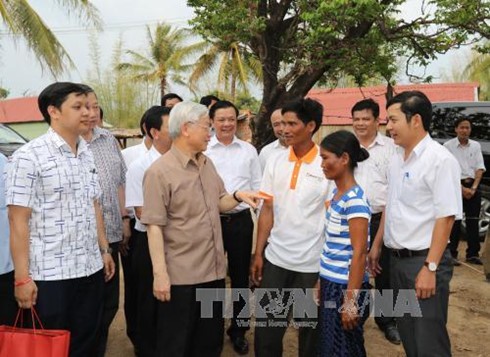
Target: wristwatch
(431,266)
(107,250)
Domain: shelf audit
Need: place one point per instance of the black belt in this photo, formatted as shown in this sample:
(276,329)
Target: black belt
(407,253)
(230,216)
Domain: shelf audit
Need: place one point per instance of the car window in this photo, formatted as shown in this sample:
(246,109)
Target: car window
(444,117)
(8,136)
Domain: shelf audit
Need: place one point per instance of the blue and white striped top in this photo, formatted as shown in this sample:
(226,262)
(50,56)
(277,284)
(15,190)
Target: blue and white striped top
(337,250)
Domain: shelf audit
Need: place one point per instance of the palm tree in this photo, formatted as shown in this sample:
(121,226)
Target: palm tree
(165,60)
(21,19)
(478,70)
(236,66)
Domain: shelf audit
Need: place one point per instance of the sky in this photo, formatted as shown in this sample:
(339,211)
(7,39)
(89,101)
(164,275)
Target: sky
(22,75)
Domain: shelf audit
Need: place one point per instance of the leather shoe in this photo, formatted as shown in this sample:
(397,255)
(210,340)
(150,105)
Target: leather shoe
(392,335)
(240,344)
(456,262)
(474,260)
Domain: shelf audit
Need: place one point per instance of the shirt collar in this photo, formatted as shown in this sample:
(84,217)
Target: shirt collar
(98,132)
(60,143)
(276,145)
(420,147)
(458,143)
(185,159)
(214,141)
(308,158)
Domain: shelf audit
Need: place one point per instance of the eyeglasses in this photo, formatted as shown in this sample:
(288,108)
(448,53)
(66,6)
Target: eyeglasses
(208,127)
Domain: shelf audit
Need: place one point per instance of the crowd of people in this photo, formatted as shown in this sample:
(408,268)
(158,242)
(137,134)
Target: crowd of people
(177,210)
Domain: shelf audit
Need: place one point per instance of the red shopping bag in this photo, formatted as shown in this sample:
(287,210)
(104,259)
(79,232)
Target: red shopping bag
(25,342)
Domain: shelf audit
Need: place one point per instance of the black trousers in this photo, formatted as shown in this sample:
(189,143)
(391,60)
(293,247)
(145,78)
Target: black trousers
(381,281)
(237,240)
(181,329)
(424,336)
(130,292)
(110,305)
(8,305)
(146,304)
(269,332)
(471,209)
(74,305)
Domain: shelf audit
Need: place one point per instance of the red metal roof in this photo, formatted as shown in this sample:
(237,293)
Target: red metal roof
(338,102)
(20,110)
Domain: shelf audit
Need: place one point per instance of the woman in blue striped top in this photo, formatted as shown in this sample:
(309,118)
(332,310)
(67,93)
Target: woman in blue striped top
(343,277)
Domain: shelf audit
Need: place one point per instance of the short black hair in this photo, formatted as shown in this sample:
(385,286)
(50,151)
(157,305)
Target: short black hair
(55,94)
(143,120)
(459,120)
(366,104)
(221,104)
(306,110)
(101,113)
(207,100)
(344,141)
(170,96)
(414,102)
(154,118)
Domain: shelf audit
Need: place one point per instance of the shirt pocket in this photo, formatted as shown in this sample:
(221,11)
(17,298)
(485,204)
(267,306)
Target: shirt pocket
(312,189)
(410,192)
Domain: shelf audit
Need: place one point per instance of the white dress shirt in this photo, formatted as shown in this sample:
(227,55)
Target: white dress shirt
(60,187)
(270,150)
(469,156)
(372,174)
(132,153)
(421,189)
(134,182)
(237,164)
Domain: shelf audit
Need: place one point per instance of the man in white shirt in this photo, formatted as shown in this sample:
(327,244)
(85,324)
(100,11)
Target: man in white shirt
(276,146)
(133,152)
(372,176)
(59,248)
(144,308)
(469,155)
(130,154)
(423,202)
(238,165)
(290,228)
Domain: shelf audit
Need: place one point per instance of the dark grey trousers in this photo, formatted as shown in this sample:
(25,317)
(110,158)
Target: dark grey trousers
(424,336)
(268,338)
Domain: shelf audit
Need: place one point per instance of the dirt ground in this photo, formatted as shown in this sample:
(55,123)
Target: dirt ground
(469,323)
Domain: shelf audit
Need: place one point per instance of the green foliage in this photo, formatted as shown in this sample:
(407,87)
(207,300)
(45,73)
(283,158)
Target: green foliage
(478,70)
(299,42)
(21,19)
(123,100)
(4,93)
(236,67)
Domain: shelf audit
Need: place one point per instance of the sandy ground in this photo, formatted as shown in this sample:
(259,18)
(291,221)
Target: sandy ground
(469,323)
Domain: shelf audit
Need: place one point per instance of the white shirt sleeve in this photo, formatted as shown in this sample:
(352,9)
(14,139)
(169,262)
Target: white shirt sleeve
(446,188)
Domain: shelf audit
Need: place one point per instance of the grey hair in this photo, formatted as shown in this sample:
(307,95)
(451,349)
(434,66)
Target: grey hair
(184,112)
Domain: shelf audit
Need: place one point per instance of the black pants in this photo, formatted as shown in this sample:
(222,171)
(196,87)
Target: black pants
(8,305)
(130,292)
(146,304)
(181,329)
(74,305)
(237,240)
(424,336)
(110,305)
(471,209)
(381,281)
(270,332)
